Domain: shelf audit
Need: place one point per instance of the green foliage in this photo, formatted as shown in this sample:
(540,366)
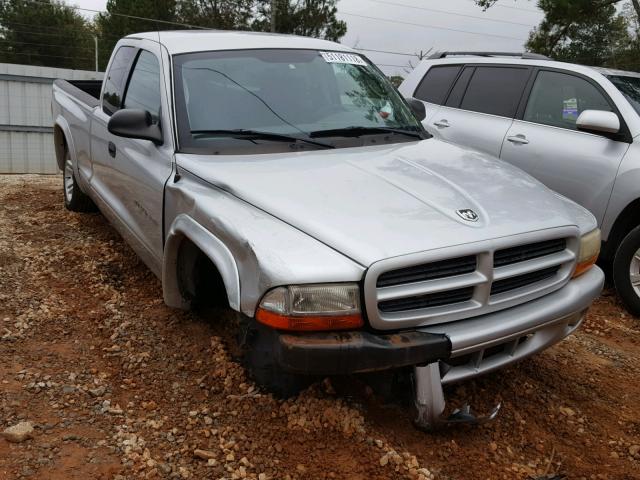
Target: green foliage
(312,18)
(49,34)
(55,34)
(111,26)
(221,14)
(396,80)
(583,31)
(590,32)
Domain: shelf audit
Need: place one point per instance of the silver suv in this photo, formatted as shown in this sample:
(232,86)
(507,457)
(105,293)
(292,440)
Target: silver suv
(574,128)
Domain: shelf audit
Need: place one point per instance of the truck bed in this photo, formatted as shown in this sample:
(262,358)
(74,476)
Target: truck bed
(87,91)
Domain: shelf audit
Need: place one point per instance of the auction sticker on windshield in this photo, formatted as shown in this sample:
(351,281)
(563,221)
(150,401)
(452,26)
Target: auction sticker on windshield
(337,57)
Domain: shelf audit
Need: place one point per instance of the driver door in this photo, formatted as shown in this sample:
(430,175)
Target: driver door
(135,171)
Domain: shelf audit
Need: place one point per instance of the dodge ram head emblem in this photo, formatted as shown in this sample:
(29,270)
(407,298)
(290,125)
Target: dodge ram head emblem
(467,214)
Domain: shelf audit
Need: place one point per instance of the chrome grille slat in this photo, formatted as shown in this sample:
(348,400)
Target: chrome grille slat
(431,271)
(521,253)
(427,301)
(532,265)
(459,282)
(431,286)
(523,280)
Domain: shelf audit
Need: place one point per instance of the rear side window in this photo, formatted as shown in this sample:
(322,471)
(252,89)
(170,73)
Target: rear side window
(495,90)
(114,84)
(459,88)
(557,99)
(436,83)
(143,91)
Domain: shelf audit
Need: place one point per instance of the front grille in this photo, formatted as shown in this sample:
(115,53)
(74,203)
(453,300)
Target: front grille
(427,301)
(454,283)
(429,271)
(519,281)
(521,253)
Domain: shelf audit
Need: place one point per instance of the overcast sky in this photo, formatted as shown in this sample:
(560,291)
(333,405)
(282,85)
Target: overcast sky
(409,26)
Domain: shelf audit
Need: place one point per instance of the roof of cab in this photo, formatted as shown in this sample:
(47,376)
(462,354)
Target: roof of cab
(184,41)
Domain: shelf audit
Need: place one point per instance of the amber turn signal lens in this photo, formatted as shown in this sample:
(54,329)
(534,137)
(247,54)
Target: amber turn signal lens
(309,322)
(584,266)
(589,251)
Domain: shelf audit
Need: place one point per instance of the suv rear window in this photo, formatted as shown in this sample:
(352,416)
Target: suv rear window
(495,90)
(436,83)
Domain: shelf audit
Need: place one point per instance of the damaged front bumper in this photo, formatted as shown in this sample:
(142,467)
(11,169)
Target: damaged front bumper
(463,348)
(444,353)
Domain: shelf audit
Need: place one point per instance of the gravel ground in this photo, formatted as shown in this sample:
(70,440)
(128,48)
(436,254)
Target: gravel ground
(118,386)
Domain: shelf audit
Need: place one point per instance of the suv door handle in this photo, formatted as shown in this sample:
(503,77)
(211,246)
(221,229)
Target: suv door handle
(518,139)
(444,123)
(112,149)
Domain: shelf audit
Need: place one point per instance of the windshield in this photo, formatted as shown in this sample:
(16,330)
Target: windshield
(221,96)
(630,88)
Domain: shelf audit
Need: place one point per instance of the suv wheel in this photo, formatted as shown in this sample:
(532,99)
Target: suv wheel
(74,198)
(626,271)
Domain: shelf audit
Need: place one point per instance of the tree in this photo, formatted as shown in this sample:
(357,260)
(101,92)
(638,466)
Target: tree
(312,18)
(48,33)
(590,32)
(220,14)
(571,6)
(396,80)
(112,26)
(574,34)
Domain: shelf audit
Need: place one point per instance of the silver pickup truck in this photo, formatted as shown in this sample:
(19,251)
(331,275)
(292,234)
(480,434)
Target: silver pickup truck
(285,178)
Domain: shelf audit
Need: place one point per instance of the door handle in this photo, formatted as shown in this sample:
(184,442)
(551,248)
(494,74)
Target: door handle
(444,123)
(112,149)
(518,139)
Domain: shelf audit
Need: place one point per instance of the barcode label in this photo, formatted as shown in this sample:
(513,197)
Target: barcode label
(338,57)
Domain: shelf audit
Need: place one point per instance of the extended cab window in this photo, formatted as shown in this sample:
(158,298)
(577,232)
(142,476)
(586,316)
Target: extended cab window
(143,91)
(495,90)
(116,77)
(436,84)
(557,99)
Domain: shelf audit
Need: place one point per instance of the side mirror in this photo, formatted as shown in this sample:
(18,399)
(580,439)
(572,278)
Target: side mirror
(417,107)
(598,121)
(133,123)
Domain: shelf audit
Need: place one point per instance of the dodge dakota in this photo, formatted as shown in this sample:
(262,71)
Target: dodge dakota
(285,178)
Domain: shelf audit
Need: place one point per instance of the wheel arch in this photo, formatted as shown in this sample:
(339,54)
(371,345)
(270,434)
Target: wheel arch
(179,263)
(62,141)
(627,220)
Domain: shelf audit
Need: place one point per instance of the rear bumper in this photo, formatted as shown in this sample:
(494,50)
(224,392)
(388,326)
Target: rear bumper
(466,348)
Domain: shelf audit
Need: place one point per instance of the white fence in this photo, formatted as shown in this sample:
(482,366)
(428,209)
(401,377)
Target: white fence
(26,132)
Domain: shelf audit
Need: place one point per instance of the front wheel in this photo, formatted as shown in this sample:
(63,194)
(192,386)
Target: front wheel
(74,198)
(256,342)
(626,271)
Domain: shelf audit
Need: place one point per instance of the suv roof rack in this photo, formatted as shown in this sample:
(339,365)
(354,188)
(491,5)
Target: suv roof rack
(523,55)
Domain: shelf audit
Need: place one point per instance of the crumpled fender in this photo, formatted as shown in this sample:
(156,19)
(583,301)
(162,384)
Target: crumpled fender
(253,250)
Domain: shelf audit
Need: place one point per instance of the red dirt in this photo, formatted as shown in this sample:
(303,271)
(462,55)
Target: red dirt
(118,385)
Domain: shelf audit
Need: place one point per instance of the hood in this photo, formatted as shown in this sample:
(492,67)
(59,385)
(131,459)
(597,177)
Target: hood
(372,203)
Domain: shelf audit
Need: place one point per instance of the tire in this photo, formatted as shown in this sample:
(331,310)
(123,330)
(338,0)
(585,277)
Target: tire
(626,271)
(74,198)
(256,342)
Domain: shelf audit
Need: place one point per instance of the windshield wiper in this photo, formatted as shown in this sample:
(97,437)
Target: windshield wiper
(258,135)
(359,131)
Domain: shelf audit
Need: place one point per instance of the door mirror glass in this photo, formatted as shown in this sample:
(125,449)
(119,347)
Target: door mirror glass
(134,123)
(598,121)
(417,107)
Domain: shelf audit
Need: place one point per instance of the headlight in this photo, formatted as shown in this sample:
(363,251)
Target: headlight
(312,307)
(589,251)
